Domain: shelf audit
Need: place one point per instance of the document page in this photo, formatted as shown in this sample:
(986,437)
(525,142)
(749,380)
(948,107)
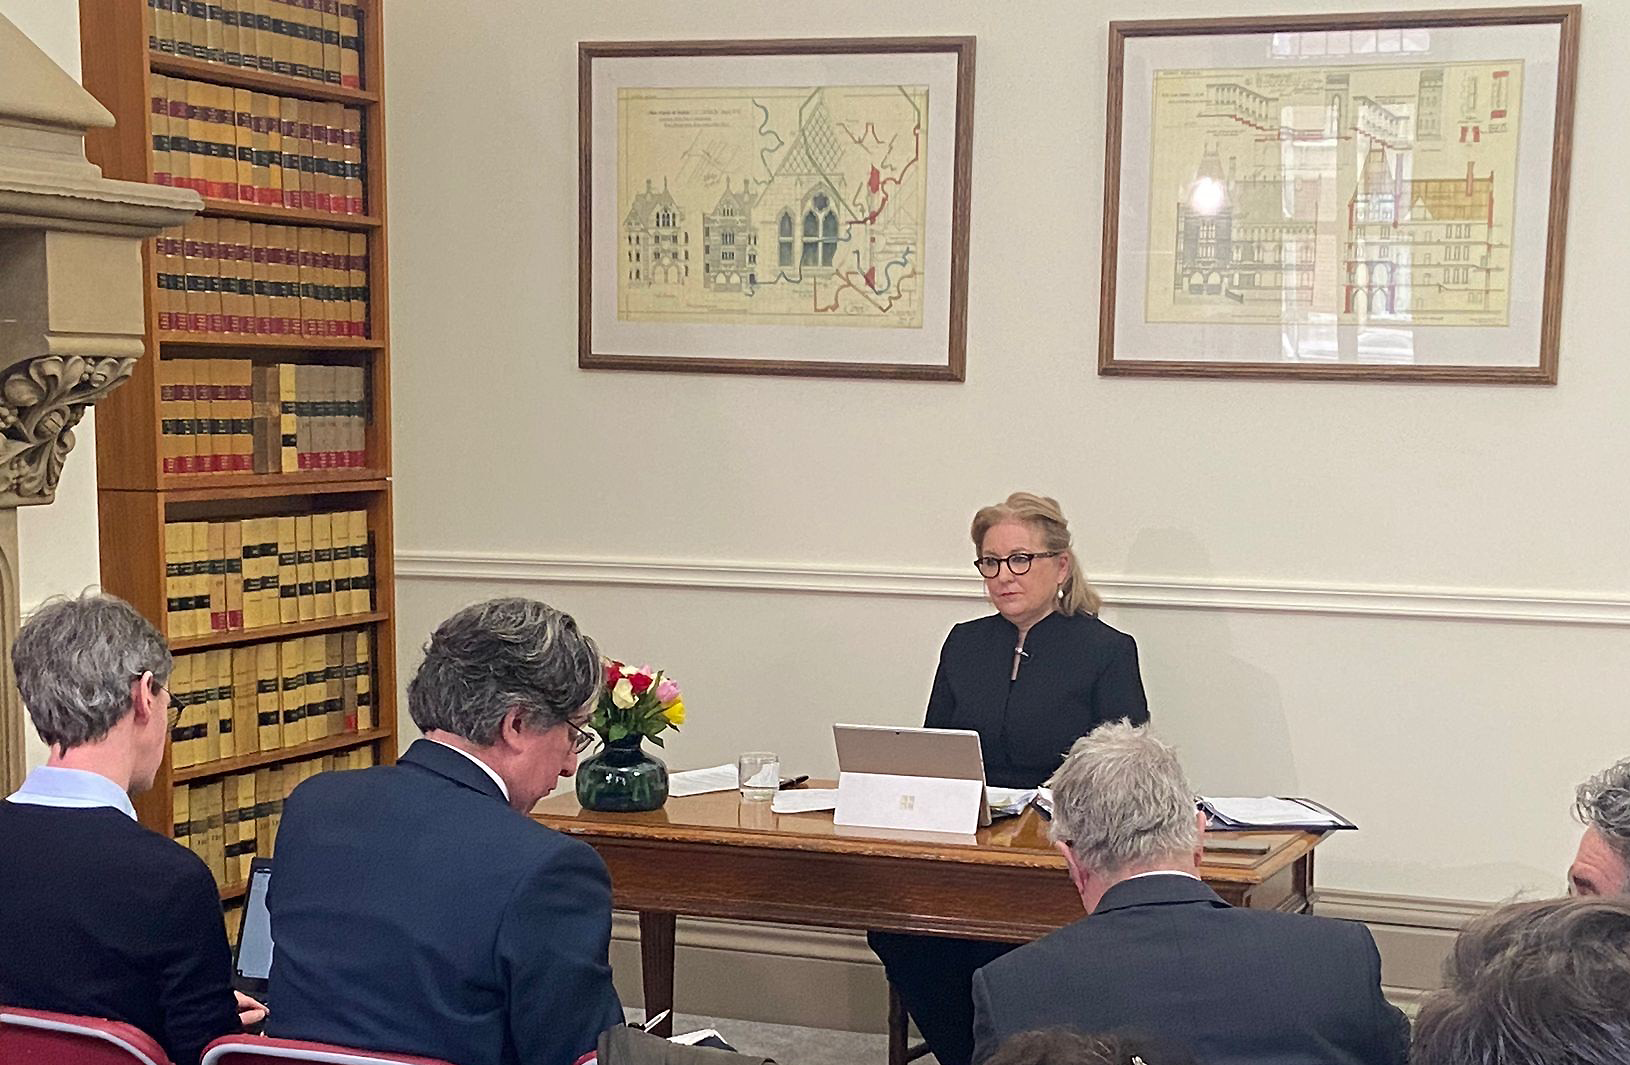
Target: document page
(702,781)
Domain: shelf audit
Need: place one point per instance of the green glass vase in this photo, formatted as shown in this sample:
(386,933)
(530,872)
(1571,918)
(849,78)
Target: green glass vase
(622,778)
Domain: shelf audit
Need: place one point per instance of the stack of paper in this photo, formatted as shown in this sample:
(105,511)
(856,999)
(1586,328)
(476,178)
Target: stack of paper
(804,800)
(1238,812)
(702,781)
(1009,802)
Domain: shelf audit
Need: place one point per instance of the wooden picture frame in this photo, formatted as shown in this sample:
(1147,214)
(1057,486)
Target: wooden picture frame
(1376,197)
(786,207)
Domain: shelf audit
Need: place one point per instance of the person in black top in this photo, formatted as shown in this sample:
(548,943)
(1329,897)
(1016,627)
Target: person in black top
(1031,679)
(104,917)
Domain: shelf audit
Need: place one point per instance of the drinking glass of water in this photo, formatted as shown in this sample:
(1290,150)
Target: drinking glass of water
(759,774)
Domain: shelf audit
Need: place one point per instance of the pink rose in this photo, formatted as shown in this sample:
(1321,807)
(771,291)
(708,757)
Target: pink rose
(667,691)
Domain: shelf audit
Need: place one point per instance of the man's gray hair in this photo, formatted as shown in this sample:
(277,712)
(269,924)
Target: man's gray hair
(1603,802)
(1120,799)
(74,660)
(500,655)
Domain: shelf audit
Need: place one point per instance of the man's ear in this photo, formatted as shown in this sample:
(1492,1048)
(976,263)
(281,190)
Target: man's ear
(1199,836)
(509,729)
(1078,875)
(143,703)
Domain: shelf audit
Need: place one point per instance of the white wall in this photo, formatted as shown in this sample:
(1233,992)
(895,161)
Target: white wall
(58,543)
(1454,742)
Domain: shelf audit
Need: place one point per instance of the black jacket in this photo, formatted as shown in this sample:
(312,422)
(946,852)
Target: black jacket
(102,917)
(1165,956)
(1078,674)
(415,912)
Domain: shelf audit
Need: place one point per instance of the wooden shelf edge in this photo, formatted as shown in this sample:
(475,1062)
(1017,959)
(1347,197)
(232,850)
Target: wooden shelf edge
(273,633)
(225,766)
(243,77)
(287,215)
(273,489)
(294,483)
(252,341)
(237,890)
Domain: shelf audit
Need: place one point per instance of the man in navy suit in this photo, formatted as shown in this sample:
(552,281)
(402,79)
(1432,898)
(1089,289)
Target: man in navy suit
(1161,954)
(416,908)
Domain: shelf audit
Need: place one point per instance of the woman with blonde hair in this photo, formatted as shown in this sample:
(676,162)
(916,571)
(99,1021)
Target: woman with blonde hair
(1031,679)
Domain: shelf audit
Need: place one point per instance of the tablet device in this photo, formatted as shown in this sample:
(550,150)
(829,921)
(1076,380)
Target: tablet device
(950,753)
(252,960)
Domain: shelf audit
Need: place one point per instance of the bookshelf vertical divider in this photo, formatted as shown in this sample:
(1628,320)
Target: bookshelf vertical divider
(136,495)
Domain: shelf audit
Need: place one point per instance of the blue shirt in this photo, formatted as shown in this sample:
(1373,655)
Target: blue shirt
(75,789)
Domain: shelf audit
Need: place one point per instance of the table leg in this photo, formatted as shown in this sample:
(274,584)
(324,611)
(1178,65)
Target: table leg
(657,966)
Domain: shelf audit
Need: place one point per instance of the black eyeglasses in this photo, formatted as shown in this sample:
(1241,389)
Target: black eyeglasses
(1018,563)
(583,740)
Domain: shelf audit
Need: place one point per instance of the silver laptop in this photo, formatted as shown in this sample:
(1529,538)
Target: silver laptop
(949,753)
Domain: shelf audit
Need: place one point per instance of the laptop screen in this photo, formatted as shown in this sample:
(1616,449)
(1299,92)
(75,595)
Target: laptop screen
(255,936)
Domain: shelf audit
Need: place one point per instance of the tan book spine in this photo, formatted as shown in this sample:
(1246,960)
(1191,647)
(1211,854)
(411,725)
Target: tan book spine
(181,815)
(348,679)
(292,678)
(221,140)
(169,280)
(195,299)
(270,577)
(233,535)
(351,120)
(322,567)
(291,278)
(167,405)
(288,128)
(243,143)
(331,41)
(214,50)
(268,697)
(260,279)
(180,684)
(288,580)
(282,41)
(159,107)
(305,408)
(206,440)
(270,120)
(366,717)
(241,383)
(214,803)
(357,275)
(288,391)
(177,592)
(263,812)
(245,704)
(161,37)
(307,113)
(336,317)
(231,34)
(209,237)
(334,683)
(180,135)
(217,576)
(314,655)
(350,47)
(260,161)
(305,567)
(209,700)
(357,411)
(226,714)
(323,189)
(242,14)
(340,526)
(248,842)
(263,418)
(312,17)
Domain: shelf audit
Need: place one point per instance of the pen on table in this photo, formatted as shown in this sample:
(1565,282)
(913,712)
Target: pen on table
(793,782)
(654,1021)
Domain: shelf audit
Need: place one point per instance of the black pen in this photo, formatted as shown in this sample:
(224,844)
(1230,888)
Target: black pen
(793,782)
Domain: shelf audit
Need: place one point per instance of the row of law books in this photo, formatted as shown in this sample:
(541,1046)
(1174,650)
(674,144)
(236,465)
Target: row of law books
(230,821)
(264,697)
(254,573)
(234,416)
(233,277)
(236,144)
(318,40)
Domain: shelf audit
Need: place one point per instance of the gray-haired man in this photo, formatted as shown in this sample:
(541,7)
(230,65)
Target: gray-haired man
(1602,866)
(103,917)
(416,907)
(1162,954)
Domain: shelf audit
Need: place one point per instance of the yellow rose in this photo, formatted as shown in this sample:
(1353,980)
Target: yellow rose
(675,713)
(622,694)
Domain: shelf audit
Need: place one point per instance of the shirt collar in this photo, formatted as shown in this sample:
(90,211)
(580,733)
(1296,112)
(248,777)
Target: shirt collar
(485,768)
(73,789)
(1163,872)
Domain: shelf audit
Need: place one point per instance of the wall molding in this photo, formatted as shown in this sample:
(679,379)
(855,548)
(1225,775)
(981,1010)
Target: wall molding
(1178,593)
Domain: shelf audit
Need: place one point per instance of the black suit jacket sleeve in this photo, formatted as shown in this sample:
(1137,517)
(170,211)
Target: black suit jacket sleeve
(1119,691)
(984,1032)
(195,968)
(1391,1026)
(552,946)
(941,699)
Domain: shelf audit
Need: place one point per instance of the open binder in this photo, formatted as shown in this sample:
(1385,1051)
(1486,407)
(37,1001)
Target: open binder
(1273,812)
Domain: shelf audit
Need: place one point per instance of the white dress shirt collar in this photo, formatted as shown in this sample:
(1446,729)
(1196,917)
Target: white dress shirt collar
(485,768)
(1162,872)
(71,789)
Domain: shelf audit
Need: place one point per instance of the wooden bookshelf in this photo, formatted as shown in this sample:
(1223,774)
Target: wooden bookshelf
(137,498)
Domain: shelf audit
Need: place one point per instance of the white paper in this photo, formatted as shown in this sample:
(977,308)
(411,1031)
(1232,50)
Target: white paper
(1044,800)
(768,776)
(692,1038)
(1268,810)
(702,781)
(804,800)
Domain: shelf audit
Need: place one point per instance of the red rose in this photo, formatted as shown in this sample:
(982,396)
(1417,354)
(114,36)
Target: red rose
(613,671)
(639,682)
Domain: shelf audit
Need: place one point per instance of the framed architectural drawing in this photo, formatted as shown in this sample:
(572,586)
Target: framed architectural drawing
(794,207)
(1360,197)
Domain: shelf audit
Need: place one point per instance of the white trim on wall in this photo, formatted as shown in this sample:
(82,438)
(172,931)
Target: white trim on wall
(1182,593)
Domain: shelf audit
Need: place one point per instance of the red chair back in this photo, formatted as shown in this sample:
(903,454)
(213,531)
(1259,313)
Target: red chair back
(37,1037)
(263,1050)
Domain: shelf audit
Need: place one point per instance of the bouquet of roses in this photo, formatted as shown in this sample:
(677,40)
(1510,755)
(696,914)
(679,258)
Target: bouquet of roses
(636,701)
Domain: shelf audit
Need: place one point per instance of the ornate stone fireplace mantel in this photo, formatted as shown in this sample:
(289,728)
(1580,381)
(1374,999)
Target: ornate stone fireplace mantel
(72,316)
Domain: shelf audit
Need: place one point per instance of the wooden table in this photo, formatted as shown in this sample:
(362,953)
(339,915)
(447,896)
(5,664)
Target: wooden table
(716,856)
